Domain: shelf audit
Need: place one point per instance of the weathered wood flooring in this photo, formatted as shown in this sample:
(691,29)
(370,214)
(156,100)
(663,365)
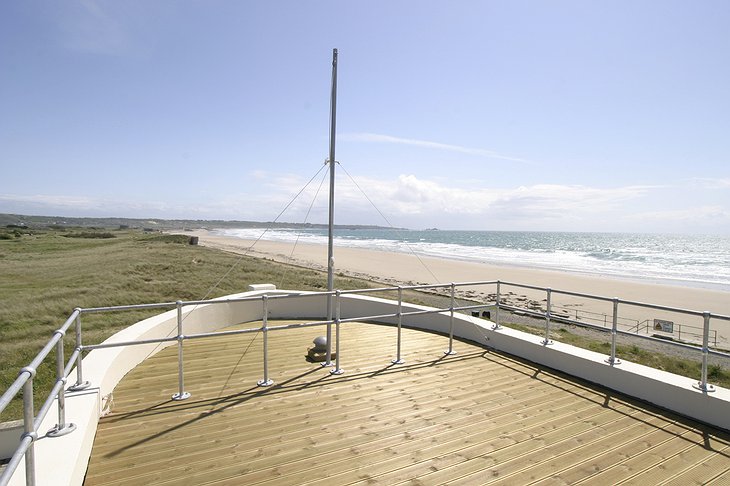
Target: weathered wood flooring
(476,417)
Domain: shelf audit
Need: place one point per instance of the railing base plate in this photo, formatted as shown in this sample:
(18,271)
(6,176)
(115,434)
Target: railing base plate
(79,386)
(707,389)
(265,382)
(61,431)
(181,396)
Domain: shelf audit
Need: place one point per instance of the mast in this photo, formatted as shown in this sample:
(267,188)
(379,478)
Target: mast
(330,245)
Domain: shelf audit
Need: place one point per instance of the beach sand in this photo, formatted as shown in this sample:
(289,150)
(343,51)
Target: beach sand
(399,268)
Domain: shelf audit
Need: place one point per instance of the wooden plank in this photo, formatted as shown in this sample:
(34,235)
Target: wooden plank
(435,419)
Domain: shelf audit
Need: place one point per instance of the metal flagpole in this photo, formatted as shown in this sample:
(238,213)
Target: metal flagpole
(330,246)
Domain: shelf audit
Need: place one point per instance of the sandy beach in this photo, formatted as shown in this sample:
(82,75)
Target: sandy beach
(399,268)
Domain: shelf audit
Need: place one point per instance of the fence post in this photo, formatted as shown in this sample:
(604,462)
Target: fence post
(181,394)
(496,311)
(612,360)
(337,370)
(28,429)
(265,330)
(547,340)
(80,383)
(61,428)
(451,324)
(702,384)
(398,359)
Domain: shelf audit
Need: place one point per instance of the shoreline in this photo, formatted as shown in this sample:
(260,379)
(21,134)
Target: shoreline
(394,268)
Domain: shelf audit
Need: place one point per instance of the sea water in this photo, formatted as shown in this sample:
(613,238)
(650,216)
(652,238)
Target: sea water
(693,260)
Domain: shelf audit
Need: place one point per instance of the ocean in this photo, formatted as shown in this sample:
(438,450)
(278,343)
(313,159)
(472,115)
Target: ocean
(690,260)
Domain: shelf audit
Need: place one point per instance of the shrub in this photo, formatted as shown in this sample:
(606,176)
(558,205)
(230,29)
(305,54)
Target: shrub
(90,235)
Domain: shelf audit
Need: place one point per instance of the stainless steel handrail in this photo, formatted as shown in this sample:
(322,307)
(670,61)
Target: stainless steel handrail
(25,377)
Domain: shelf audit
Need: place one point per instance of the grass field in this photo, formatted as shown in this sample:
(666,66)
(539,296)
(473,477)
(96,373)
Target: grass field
(46,273)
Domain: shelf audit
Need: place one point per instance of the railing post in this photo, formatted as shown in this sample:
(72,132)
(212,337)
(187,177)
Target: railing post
(398,359)
(702,384)
(80,383)
(328,354)
(496,311)
(451,323)
(28,430)
(612,360)
(181,394)
(547,339)
(337,370)
(265,330)
(61,428)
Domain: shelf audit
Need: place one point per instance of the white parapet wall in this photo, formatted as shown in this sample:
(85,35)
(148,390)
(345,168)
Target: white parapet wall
(64,460)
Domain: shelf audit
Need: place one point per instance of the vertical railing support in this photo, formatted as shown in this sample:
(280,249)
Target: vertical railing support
(337,370)
(28,429)
(451,323)
(702,384)
(181,393)
(547,339)
(80,383)
(328,354)
(265,330)
(61,428)
(398,359)
(612,360)
(497,324)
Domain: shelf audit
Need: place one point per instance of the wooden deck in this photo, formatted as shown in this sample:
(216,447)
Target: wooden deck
(476,417)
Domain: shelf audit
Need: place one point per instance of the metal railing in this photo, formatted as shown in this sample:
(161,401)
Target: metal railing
(684,332)
(24,381)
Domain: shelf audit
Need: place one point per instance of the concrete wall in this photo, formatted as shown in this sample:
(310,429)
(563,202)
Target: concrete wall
(10,433)
(64,460)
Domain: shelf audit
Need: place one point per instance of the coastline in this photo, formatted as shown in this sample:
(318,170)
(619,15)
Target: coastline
(394,268)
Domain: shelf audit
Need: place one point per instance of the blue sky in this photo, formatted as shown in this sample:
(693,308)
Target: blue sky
(510,115)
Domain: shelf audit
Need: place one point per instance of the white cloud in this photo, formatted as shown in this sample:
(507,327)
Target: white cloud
(702,214)
(711,183)
(409,194)
(379,138)
(79,202)
(405,201)
(65,205)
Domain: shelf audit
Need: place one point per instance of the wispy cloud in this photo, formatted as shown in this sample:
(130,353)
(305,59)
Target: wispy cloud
(90,26)
(81,202)
(67,205)
(379,138)
(711,183)
(706,214)
(405,201)
(409,196)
